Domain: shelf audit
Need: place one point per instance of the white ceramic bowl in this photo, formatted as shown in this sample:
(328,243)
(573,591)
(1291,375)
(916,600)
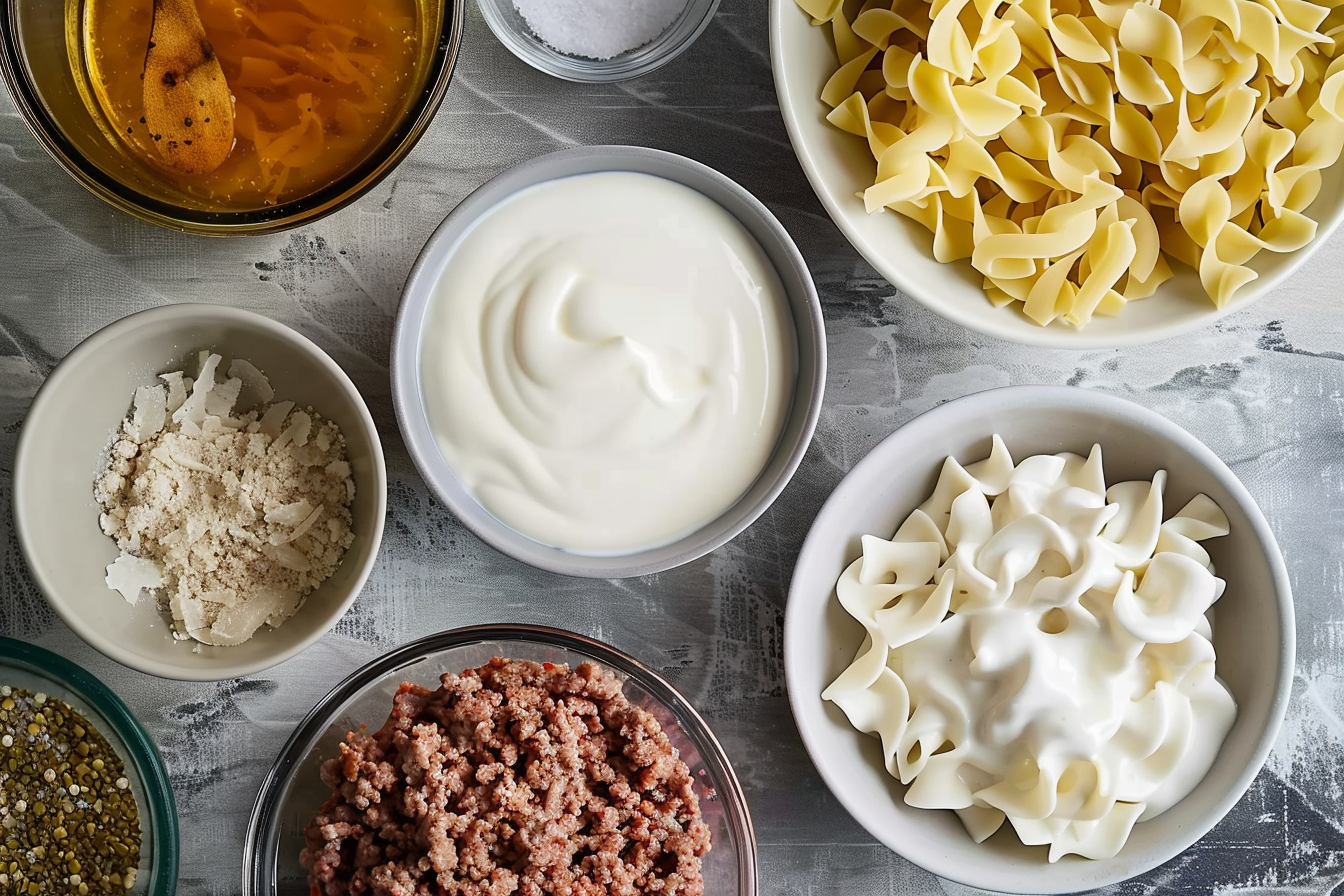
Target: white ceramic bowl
(70,425)
(839,166)
(1254,635)
(793,439)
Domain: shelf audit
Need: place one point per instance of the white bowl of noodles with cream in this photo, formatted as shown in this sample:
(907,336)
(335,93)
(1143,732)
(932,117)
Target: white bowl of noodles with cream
(1097,665)
(1022,224)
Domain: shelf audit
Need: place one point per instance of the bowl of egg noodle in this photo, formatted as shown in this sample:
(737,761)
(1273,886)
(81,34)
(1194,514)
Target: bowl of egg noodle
(1107,669)
(1090,177)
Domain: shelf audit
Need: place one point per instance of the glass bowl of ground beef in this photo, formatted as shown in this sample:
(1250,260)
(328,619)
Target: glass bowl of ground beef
(503,759)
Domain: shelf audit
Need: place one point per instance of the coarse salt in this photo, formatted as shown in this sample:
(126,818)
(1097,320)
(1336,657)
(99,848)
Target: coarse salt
(598,29)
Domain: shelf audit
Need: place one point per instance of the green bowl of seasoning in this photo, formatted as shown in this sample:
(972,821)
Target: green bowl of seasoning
(86,807)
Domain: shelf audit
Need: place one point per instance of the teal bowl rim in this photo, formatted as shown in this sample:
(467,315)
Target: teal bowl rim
(139,748)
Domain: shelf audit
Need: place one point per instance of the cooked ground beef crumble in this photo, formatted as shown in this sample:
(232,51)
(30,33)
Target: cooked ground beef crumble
(514,778)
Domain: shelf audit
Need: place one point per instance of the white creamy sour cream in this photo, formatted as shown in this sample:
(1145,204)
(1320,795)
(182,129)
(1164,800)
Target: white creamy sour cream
(608,360)
(1038,650)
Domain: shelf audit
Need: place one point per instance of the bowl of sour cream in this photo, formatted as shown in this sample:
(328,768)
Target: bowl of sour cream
(1039,640)
(608,361)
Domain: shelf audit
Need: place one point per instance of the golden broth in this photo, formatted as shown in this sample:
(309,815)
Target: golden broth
(317,84)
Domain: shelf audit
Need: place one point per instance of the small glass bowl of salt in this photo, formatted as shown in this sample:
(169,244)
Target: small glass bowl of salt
(597,40)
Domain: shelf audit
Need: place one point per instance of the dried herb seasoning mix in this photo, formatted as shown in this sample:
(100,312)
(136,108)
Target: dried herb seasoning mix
(68,818)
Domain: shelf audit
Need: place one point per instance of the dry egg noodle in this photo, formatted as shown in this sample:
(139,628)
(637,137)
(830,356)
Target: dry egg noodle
(316,85)
(1072,148)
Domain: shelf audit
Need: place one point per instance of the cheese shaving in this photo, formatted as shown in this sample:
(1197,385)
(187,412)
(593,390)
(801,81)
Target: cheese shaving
(133,575)
(217,514)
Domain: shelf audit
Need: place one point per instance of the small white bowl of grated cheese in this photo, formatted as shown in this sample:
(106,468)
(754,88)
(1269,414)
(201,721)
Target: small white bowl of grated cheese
(199,491)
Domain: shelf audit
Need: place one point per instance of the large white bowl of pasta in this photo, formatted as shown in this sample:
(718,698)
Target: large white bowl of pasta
(1036,637)
(1090,175)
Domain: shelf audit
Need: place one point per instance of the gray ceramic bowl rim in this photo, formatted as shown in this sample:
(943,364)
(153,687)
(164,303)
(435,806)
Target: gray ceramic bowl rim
(885,455)
(50,391)
(631,64)
(405,360)
(262,822)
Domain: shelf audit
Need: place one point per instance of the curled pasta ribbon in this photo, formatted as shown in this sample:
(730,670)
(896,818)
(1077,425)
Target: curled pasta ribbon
(1072,152)
(1037,649)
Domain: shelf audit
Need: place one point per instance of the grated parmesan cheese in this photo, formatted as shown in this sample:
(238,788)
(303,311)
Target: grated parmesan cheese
(230,521)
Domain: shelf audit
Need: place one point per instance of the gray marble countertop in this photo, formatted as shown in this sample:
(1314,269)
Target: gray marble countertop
(1264,388)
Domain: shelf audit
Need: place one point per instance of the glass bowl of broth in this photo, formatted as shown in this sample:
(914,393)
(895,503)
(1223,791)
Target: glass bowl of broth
(327,97)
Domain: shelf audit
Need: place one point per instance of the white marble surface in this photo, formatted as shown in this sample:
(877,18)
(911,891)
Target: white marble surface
(1264,389)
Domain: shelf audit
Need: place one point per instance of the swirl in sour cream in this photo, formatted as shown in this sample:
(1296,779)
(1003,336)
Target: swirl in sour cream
(1038,649)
